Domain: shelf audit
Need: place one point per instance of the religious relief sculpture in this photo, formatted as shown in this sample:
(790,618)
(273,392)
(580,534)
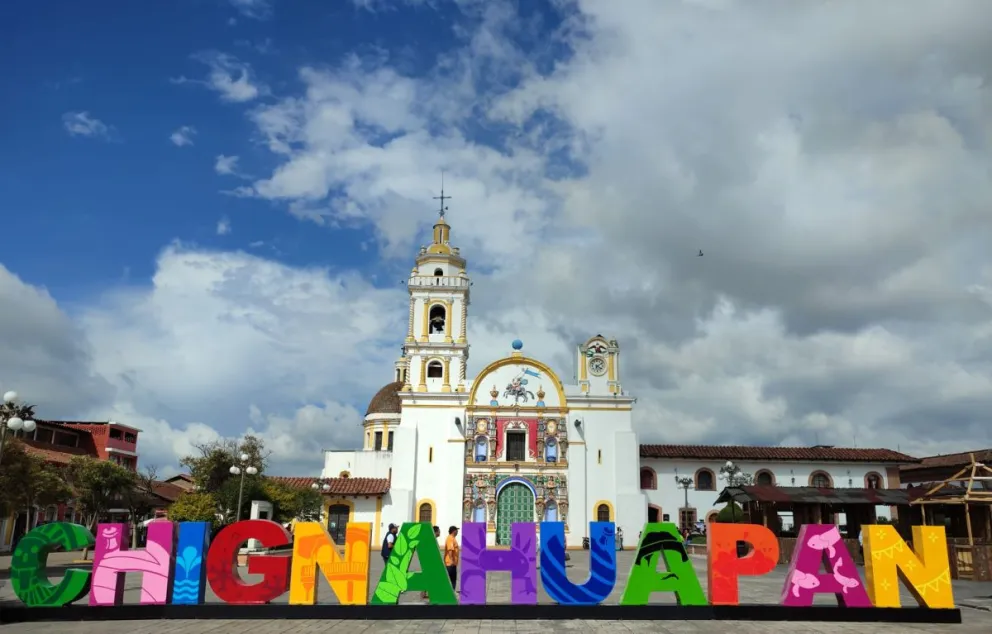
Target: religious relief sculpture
(517,387)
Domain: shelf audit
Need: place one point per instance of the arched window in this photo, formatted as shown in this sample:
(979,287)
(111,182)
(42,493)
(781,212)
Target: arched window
(337,521)
(435,370)
(603,513)
(481,449)
(705,480)
(873,481)
(764,478)
(551,450)
(551,512)
(426,514)
(820,480)
(436,319)
(438,272)
(711,517)
(649,479)
(479,512)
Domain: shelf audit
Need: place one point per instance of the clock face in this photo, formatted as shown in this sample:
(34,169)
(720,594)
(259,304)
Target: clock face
(597,365)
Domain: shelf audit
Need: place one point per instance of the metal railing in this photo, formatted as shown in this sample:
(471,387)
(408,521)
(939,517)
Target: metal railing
(438,281)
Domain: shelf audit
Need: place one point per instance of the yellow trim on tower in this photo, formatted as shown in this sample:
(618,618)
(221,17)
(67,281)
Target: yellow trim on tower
(378,521)
(448,318)
(595,510)
(422,386)
(583,362)
(433,506)
(612,368)
(446,386)
(495,365)
(424,330)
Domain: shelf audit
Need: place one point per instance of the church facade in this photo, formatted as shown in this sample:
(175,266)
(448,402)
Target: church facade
(513,444)
(516,444)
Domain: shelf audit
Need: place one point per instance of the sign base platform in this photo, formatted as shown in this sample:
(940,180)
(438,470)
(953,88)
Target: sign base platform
(492,611)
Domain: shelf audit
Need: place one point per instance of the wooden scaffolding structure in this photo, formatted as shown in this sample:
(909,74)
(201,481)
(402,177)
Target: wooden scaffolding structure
(974,472)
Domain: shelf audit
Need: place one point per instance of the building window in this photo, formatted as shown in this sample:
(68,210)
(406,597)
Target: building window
(436,319)
(516,445)
(711,516)
(130,438)
(764,478)
(430,454)
(426,513)
(44,435)
(66,440)
(687,518)
(820,480)
(649,480)
(378,441)
(389,440)
(438,272)
(481,449)
(551,450)
(435,370)
(873,481)
(116,434)
(603,513)
(705,481)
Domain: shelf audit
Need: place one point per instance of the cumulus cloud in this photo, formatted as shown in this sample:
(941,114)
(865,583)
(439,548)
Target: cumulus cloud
(82,124)
(183,136)
(223,227)
(231,78)
(831,161)
(226,165)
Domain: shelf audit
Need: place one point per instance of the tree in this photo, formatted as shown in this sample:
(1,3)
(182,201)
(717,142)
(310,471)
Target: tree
(731,514)
(28,481)
(195,506)
(99,486)
(212,468)
(139,500)
(291,503)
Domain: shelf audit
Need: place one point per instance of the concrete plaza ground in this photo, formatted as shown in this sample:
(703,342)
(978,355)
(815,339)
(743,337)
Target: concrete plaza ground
(761,590)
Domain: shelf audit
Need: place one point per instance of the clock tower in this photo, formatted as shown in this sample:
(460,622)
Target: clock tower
(599,366)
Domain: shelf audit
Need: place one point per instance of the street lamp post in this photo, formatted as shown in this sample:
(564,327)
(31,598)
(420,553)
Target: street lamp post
(243,469)
(322,486)
(730,473)
(10,420)
(684,483)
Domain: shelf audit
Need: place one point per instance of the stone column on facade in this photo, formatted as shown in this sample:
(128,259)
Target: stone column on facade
(425,329)
(409,330)
(422,385)
(448,309)
(446,386)
(462,338)
(406,376)
(540,450)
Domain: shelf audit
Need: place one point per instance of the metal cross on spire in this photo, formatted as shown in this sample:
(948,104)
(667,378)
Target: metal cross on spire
(442,197)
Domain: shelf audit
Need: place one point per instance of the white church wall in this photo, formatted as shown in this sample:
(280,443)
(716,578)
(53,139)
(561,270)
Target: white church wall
(439,468)
(670,498)
(358,464)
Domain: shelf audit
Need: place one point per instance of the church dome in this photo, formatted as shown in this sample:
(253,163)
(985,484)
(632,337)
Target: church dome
(386,400)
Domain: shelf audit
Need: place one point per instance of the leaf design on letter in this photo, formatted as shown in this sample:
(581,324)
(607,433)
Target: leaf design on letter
(414,531)
(401,546)
(386,593)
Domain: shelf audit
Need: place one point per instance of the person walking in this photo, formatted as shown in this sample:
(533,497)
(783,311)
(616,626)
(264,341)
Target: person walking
(437,538)
(388,542)
(451,555)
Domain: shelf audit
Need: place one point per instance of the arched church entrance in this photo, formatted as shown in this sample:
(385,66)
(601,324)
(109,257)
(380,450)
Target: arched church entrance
(515,504)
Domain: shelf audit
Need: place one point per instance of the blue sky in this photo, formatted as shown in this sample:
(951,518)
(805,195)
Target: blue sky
(209,205)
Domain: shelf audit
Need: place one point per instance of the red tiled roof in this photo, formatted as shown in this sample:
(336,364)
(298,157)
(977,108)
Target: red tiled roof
(167,491)
(340,486)
(959,460)
(54,453)
(783,454)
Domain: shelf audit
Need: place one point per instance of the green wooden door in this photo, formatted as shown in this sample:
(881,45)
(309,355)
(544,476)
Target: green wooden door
(515,504)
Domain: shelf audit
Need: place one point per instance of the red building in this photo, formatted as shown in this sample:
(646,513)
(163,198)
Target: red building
(57,442)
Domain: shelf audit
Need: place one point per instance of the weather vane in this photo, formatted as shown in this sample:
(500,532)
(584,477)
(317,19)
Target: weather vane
(442,197)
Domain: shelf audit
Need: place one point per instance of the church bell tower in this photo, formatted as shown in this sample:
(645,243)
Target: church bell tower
(435,352)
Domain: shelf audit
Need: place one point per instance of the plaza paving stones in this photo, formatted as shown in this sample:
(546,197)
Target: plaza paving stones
(762,590)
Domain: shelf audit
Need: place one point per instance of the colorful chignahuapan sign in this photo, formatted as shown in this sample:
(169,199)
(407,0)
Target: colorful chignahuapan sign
(178,563)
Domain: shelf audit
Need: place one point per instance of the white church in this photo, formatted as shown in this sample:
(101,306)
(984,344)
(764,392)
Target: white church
(516,444)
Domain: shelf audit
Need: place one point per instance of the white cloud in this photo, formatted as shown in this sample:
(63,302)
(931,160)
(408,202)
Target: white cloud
(255,9)
(226,165)
(82,124)
(830,160)
(223,227)
(232,79)
(183,136)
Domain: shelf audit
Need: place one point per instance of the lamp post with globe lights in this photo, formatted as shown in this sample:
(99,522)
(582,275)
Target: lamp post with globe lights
(242,470)
(684,483)
(734,477)
(9,419)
